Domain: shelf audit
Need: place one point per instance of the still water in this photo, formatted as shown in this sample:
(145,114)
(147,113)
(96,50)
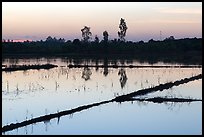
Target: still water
(33,93)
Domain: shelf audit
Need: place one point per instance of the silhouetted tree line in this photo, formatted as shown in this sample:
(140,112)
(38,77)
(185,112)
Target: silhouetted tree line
(185,50)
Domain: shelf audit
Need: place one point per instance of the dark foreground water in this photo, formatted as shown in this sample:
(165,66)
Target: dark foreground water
(33,93)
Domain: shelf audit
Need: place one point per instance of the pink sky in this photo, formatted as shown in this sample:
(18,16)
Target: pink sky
(36,21)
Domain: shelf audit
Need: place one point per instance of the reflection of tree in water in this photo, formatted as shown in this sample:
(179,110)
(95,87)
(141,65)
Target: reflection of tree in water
(123,77)
(13,61)
(105,71)
(86,73)
(96,64)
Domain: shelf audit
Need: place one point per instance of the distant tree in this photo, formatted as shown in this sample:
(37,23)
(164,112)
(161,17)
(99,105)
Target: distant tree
(170,38)
(123,28)
(49,39)
(114,40)
(55,39)
(141,42)
(105,36)
(86,34)
(68,41)
(76,42)
(62,40)
(96,39)
(26,41)
(150,41)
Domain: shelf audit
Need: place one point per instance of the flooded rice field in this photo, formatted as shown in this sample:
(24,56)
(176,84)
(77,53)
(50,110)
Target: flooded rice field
(29,94)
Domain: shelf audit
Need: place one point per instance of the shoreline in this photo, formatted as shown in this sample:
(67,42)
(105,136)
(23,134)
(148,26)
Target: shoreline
(141,58)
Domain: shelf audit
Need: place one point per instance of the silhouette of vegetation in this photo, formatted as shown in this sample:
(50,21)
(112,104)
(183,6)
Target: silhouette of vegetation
(50,116)
(160,87)
(187,50)
(123,28)
(179,50)
(27,67)
(162,99)
(105,36)
(96,39)
(86,34)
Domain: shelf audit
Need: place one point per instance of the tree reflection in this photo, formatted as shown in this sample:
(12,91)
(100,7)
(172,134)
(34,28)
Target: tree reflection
(96,63)
(123,77)
(105,71)
(86,73)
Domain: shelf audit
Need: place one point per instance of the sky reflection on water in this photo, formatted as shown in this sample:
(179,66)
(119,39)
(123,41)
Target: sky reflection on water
(33,93)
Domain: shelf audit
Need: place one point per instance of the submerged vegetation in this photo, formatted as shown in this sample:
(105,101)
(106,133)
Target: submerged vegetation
(122,98)
(27,67)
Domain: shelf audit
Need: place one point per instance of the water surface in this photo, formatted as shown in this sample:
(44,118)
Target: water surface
(33,93)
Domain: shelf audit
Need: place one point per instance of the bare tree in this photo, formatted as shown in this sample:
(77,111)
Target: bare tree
(123,28)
